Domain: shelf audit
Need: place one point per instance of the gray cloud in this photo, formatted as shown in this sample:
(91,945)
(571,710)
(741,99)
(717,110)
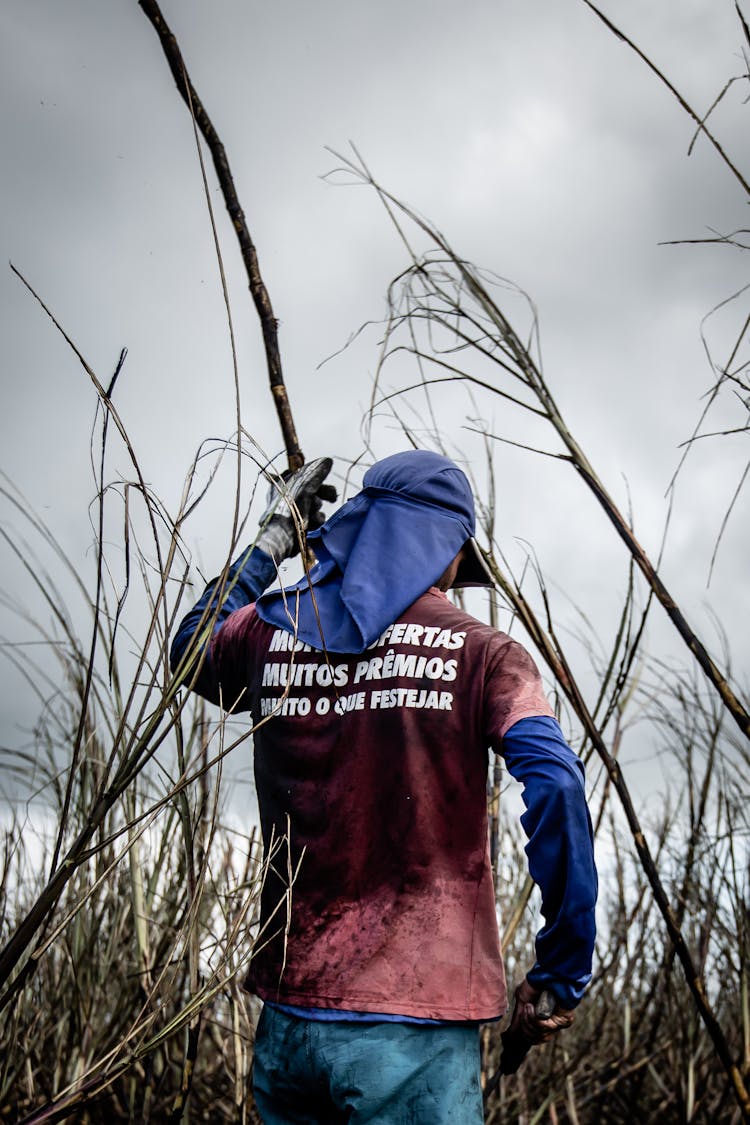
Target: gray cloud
(536,141)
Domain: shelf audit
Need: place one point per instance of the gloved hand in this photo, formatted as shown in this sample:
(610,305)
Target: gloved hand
(536,1018)
(293,507)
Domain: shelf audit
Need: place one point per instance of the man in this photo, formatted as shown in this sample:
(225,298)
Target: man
(374,702)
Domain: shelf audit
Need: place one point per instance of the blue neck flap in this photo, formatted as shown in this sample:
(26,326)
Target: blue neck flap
(378,553)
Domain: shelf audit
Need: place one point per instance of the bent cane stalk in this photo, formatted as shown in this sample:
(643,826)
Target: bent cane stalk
(568,684)
(437,304)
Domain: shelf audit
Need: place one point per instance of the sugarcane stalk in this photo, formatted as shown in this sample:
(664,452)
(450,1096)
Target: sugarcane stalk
(259,293)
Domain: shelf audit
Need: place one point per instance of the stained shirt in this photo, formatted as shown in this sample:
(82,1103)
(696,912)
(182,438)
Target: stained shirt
(371,777)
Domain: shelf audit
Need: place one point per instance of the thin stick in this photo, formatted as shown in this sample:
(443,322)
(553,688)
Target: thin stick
(269,324)
(700,122)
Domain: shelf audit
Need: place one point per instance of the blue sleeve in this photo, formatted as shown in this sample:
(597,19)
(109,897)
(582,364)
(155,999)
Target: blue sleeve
(248,577)
(560,853)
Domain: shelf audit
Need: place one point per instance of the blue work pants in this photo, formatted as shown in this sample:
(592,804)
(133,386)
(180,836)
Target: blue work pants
(312,1072)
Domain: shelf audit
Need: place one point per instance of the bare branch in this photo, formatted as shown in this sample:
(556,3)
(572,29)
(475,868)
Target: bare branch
(261,299)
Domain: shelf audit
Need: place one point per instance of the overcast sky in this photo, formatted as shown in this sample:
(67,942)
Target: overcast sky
(538,143)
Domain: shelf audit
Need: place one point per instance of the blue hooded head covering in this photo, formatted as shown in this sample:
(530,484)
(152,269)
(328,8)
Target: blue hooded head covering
(379,552)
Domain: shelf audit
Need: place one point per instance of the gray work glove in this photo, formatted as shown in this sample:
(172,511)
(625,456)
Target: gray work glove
(294,506)
(536,1018)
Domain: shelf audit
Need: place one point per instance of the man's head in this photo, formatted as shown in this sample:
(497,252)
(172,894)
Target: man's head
(431,480)
(411,526)
(448,577)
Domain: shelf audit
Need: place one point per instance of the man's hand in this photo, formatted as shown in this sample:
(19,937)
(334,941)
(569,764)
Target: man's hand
(536,1018)
(295,506)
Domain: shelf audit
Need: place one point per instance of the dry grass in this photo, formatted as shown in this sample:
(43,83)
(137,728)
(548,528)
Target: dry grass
(127,901)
